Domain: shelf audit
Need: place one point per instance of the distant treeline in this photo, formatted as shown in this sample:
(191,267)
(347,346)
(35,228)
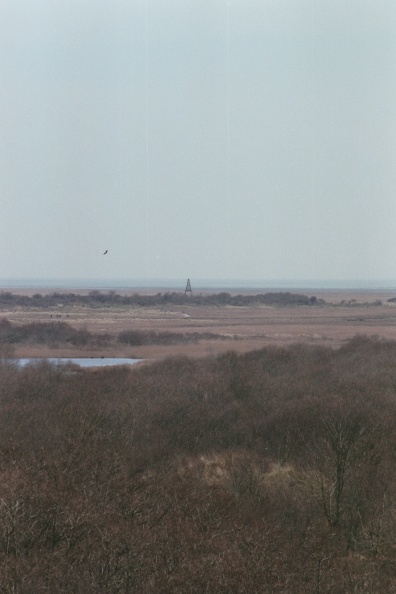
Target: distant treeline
(97,298)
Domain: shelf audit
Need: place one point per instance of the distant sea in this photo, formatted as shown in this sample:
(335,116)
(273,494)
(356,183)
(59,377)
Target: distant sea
(197,284)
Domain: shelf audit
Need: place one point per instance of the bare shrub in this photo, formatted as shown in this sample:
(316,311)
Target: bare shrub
(271,471)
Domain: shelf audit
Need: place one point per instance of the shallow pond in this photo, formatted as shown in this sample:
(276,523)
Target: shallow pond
(80,361)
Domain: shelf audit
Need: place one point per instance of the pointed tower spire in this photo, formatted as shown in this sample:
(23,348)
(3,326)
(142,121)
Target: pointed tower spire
(188,287)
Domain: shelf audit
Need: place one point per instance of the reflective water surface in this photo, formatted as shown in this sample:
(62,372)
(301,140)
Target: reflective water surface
(80,361)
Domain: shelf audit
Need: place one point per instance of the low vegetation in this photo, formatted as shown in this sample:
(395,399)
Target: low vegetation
(138,337)
(272,471)
(58,333)
(50,333)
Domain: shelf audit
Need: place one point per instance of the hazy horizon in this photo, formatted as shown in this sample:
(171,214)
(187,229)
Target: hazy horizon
(197,284)
(210,139)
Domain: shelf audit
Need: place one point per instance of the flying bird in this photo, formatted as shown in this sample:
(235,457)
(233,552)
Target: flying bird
(105,252)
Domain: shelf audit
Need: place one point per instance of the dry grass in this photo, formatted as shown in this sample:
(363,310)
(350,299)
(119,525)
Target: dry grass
(241,328)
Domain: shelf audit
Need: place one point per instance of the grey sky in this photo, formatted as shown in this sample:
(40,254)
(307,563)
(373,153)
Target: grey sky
(248,139)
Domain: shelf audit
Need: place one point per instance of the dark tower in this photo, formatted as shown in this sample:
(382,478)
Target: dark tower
(188,287)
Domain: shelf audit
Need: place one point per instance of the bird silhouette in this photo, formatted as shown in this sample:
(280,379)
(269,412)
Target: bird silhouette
(105,252)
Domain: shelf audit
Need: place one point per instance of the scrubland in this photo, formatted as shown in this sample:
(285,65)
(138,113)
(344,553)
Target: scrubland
(270,471)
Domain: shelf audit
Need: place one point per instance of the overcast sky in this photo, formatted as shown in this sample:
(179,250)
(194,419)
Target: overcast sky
(248,139)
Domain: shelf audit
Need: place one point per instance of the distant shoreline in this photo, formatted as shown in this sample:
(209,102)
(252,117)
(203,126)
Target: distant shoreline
(198,285)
